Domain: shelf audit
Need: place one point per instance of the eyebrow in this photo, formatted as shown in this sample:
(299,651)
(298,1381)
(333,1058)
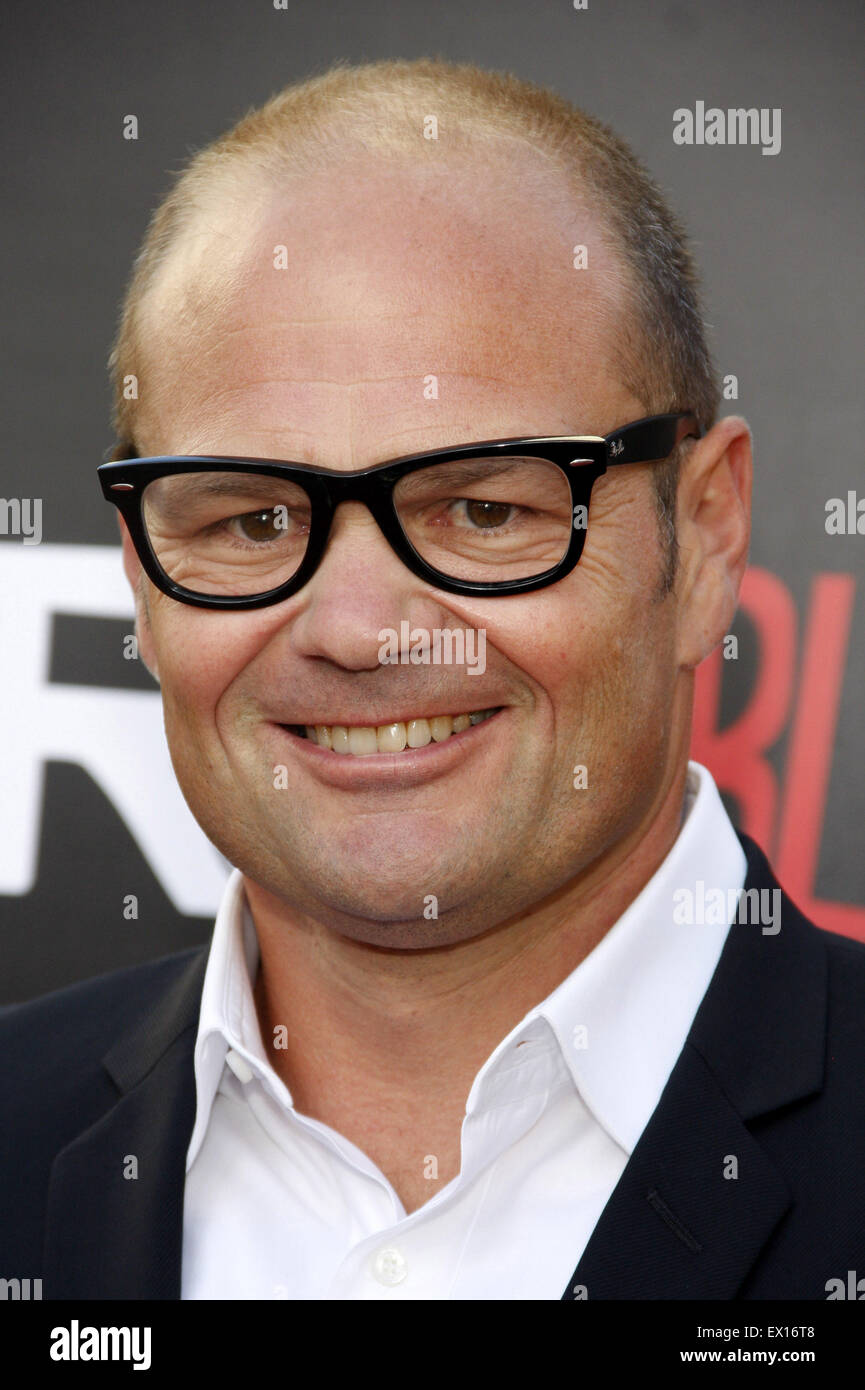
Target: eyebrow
(469,470)
(258,486)
(218,484)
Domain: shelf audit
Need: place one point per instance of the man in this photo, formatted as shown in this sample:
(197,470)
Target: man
(458,1034)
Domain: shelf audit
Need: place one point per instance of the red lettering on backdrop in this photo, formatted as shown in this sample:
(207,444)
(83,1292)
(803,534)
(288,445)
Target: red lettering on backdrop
(789,825)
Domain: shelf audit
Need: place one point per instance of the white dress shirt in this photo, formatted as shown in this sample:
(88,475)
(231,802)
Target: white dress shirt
(278,1205)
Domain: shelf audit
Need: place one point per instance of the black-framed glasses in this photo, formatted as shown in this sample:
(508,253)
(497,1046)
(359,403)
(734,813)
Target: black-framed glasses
(499,517)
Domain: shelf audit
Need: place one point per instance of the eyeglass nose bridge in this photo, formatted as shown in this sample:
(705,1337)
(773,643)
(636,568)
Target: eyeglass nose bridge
(373,489)
(366,485)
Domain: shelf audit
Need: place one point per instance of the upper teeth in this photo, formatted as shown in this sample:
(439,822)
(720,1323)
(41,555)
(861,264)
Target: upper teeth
(392,738)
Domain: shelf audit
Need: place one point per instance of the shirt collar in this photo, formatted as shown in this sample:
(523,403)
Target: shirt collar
(228,1021)
(618,1021)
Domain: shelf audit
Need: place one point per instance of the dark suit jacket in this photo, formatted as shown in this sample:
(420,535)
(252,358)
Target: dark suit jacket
(772,1075)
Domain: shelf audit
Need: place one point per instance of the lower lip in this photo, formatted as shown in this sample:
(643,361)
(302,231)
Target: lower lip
(408,768)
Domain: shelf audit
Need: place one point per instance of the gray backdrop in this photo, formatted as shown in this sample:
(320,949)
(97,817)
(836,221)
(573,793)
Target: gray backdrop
(778,239)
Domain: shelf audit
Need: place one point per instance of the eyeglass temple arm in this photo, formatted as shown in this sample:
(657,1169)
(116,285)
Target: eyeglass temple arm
(654,437)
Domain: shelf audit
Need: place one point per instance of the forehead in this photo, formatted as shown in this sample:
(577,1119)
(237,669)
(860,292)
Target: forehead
(346,290)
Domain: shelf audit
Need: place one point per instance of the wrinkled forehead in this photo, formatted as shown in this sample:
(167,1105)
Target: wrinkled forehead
(387,269)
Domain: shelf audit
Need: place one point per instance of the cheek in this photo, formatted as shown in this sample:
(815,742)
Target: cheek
(604,661)
(200,653)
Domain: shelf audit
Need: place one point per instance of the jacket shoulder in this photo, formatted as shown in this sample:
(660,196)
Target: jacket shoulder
(54,1086)
(846,985)
(53,1079)
(81,1021)
(845,956)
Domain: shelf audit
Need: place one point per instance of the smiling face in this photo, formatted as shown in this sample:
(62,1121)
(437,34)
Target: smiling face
(394,274)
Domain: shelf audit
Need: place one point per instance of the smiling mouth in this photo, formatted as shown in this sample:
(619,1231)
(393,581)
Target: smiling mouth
(363,739)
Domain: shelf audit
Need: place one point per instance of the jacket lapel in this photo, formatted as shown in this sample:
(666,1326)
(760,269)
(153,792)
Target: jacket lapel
(676,1227)
(114,1224)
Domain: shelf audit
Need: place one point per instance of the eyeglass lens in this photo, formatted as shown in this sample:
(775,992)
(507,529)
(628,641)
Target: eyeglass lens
(242,534)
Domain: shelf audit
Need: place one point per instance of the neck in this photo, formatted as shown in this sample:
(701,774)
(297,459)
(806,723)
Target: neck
(418,1024)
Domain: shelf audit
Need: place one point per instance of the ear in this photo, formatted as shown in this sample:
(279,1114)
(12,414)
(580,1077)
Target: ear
(138,582)
(713,525)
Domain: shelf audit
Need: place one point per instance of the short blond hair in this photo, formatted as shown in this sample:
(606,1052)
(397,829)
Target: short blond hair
(663,358)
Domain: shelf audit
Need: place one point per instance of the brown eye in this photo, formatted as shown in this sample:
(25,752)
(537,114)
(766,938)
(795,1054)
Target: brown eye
(485,514)
(258,526)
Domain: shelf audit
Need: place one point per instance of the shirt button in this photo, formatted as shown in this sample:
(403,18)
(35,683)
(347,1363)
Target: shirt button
(389,1266)
(239,1065)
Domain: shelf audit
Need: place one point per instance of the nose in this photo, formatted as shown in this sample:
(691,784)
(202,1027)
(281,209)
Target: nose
(360,589)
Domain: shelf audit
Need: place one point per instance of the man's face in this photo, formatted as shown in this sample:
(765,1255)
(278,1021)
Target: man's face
(394,276)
